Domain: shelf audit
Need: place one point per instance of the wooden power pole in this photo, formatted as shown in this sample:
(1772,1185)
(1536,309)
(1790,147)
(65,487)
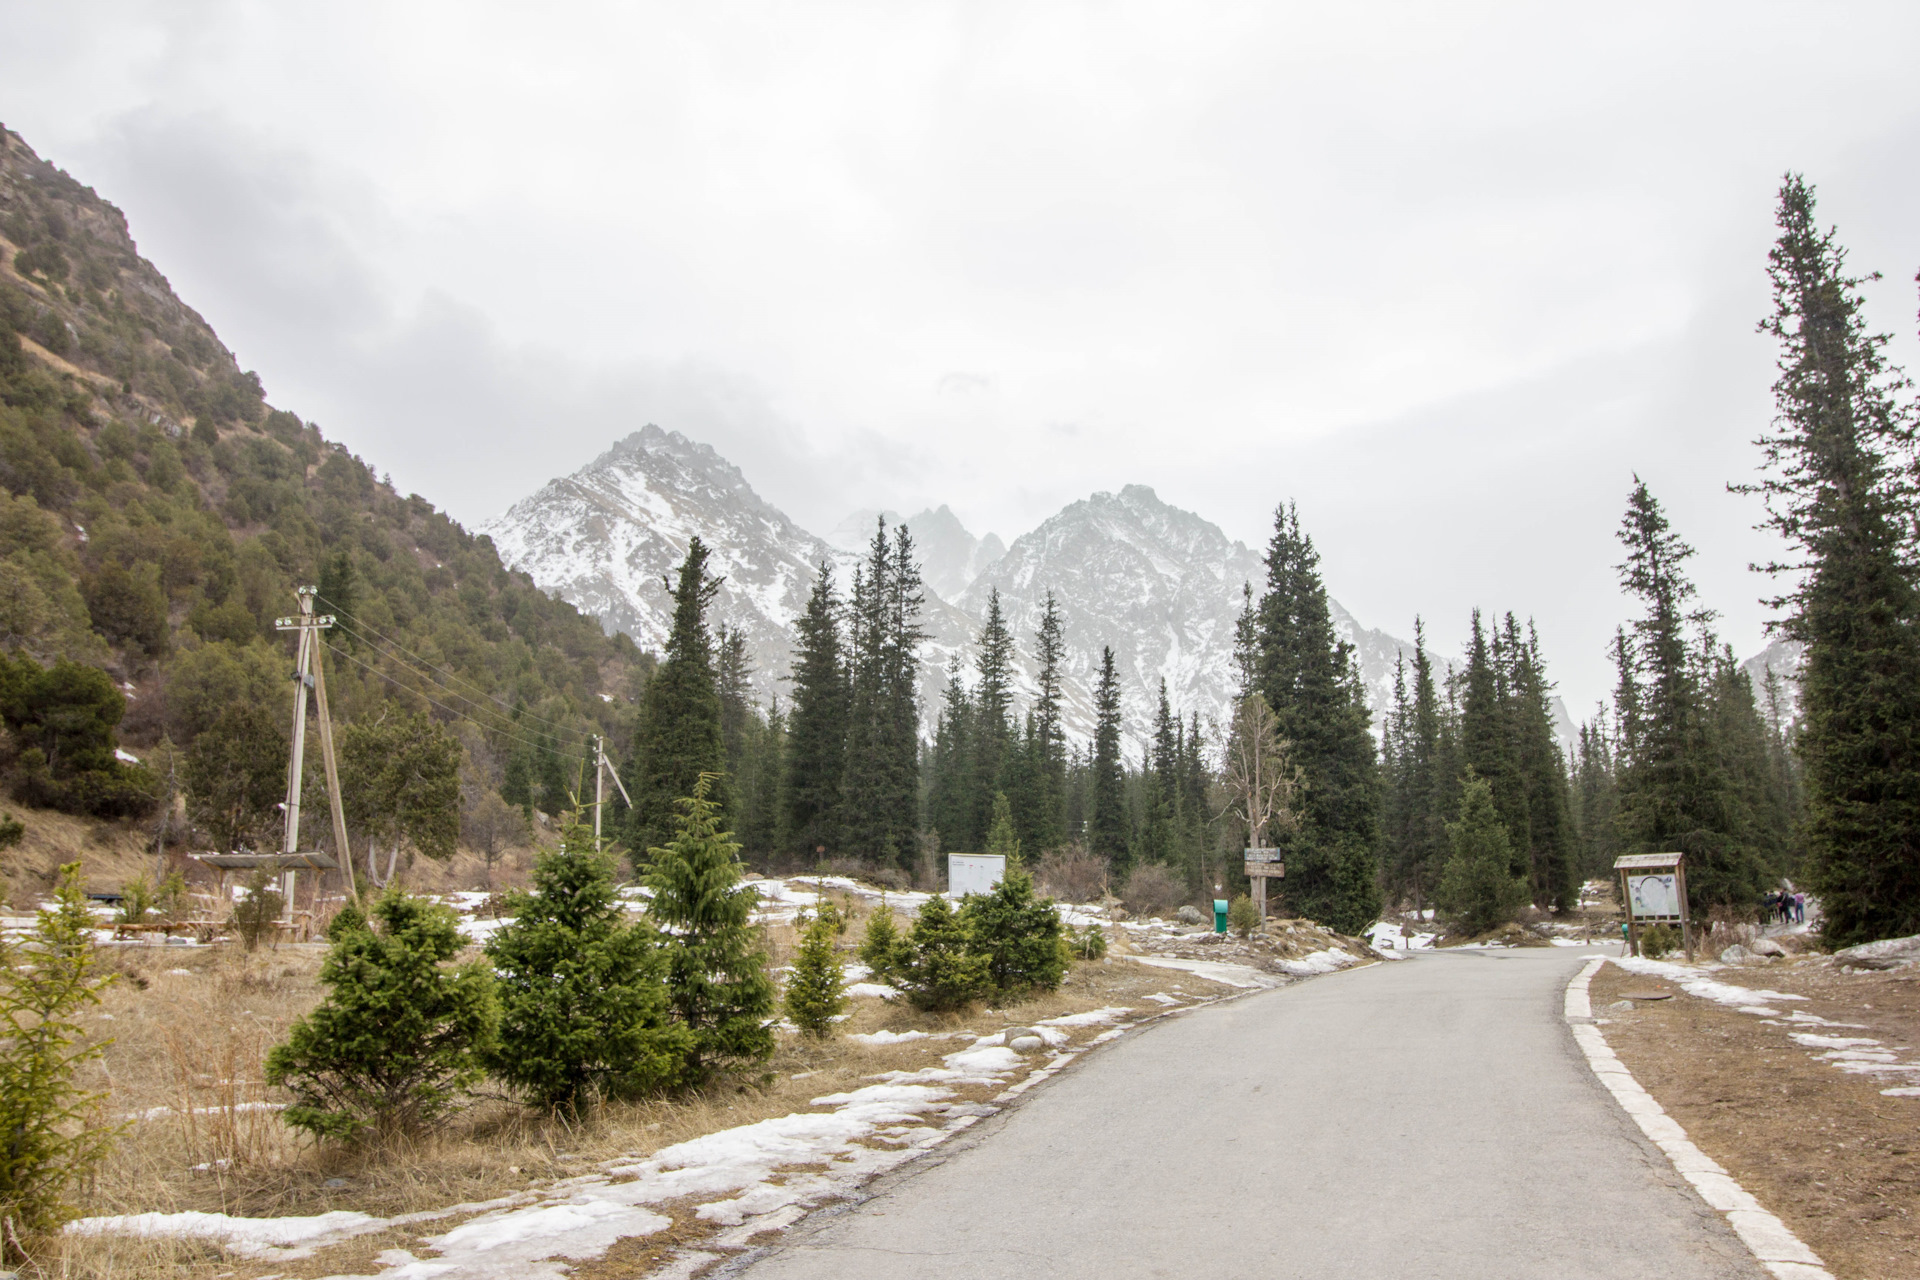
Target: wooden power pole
(602,770)
(309,674)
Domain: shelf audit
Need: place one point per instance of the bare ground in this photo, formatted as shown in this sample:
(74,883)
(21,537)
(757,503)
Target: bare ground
(1824,1149)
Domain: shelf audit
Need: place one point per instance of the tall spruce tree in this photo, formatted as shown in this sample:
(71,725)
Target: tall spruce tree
(1042,819)
(950,766)
(1552,874)
(817,730)
(1108,825)
(881,814)
(678,738)
(992,720)
(1160,780)
(1673,792)
(1310,680)
(1839,483)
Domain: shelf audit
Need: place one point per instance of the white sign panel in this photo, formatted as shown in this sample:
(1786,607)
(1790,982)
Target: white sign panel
(1654,895)
(974,873)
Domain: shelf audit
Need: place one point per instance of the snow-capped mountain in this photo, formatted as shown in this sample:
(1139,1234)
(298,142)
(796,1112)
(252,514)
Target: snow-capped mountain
(608,537)
(950,556)
(1159,584)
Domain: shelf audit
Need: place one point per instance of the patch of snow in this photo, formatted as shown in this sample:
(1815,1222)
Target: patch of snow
(1327,961)
(1746,999)
(1231,975)
(125,757)
(879,990)
(279,1238)
(887,1037)
(1161,997)
(1091,1018)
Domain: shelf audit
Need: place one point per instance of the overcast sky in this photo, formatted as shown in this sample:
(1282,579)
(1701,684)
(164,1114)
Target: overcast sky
(1447,274)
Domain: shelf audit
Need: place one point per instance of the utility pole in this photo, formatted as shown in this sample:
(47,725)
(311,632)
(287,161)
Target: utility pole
(308,627)
(602,769)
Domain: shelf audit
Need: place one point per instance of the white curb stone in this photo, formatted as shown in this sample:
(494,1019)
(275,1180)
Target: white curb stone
(1772,1243)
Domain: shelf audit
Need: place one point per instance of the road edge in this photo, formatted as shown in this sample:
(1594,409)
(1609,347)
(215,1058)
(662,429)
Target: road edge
(1772,1243)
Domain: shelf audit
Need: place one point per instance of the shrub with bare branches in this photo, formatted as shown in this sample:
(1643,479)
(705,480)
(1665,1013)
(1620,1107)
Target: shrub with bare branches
(1072,874)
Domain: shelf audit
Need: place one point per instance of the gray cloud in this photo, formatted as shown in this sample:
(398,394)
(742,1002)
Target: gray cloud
(1448,275)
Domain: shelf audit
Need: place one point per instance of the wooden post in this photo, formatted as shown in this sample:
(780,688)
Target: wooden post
(1626,905)
(343,852)
(1686,916)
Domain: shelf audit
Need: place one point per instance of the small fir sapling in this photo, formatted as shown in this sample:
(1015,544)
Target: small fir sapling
(1018,935)
(816,993)
(717,979)
(583,996)
(885,950)
(399,1035)
(1242,916)
(943,973)
(1088,943)
(255,913)
(53,1134)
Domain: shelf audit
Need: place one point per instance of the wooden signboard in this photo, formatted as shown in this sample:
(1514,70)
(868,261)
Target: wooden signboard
(1263,865)
(1653,888)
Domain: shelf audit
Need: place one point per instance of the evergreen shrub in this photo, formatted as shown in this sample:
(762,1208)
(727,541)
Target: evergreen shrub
(943,972)
(258,908)
(398,1036)
(1659,940)
(1019,935)
(583,996)
(52,1135)
(816,993)
(884,950)
(1242,916)
(1088,943)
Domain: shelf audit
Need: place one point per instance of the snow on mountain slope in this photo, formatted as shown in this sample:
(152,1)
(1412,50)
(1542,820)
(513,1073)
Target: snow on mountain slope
(608,537)
(1159,584)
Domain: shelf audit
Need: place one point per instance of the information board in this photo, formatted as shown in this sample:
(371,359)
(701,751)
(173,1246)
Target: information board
(1654,896)
(974,873)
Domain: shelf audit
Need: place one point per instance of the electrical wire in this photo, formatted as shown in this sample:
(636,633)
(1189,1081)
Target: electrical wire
(529,743)
(361,630)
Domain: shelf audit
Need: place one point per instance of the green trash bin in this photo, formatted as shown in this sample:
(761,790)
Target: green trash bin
(1219,915)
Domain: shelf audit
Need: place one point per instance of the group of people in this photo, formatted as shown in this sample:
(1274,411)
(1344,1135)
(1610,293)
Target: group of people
(1785,906)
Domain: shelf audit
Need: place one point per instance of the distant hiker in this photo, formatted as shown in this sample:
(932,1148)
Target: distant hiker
(1799,907)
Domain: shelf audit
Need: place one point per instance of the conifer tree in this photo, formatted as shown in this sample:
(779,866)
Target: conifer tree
(1107,822)
(398,1035)
(1044,824)
(817,731)
(1839,483)
(1541,771)
(1018,934)
(816,991)
(1593,790)
(942,972)
(950,765)
(883,948)
(881,793)
(679,738)
(1002,840)
(53,1137)
(1673,791)
(1308,677)
(1160,803)
(1479,890)
(583,995)
(992,720)
(716,973)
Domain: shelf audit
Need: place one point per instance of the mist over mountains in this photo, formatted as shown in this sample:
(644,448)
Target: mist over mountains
(1161,585)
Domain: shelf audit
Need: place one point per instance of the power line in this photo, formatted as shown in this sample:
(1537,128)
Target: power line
(556,752)
(363,631)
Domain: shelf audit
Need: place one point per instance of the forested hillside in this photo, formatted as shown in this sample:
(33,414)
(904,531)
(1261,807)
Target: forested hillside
(156,517)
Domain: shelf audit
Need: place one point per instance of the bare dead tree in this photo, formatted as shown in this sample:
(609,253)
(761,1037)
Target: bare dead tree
(1260,776)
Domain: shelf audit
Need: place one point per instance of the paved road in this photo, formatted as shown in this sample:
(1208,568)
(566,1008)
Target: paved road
(1430,1118)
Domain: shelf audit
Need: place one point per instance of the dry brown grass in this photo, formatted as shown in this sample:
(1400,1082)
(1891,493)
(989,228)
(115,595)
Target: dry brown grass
(193,1042)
